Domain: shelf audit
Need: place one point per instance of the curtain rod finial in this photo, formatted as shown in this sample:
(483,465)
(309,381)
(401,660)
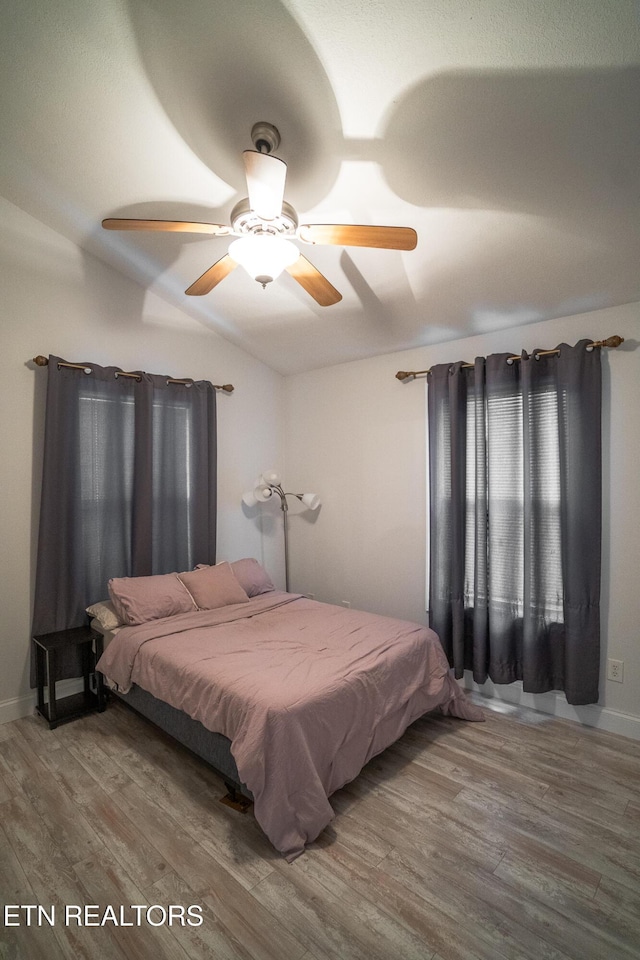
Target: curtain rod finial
(41,361)
(403,375)
(613,341)
(227,387)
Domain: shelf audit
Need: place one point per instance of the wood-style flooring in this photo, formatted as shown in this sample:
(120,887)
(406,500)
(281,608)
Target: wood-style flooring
(513,839)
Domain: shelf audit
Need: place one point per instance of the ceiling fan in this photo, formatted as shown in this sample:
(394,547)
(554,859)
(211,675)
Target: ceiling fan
(265,225)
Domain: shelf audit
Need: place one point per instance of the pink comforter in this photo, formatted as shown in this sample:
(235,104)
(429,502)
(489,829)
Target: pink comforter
(306,692)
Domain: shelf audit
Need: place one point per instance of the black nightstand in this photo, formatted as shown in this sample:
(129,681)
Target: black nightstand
(47,647)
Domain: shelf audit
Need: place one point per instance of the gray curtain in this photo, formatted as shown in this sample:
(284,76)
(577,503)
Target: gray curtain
(515,518)
(128,489)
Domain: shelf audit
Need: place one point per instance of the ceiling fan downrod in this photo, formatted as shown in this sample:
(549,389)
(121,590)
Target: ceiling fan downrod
(265,137)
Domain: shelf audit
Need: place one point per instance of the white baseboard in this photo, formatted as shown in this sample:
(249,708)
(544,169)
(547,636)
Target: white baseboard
(19,707)
(555,704)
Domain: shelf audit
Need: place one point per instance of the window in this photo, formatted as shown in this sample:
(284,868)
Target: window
(514,491)
(129,485)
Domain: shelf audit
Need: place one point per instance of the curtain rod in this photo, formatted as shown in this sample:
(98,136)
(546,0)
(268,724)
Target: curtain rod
(44,361)
(611,342)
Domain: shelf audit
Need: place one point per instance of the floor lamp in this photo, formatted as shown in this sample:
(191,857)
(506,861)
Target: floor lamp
(266,486)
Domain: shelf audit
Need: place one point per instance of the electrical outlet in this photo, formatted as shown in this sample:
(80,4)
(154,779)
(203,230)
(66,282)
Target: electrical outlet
(615,670)
(346,603)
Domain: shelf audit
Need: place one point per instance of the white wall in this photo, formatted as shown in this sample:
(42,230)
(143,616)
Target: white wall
(356,436)
(55,299)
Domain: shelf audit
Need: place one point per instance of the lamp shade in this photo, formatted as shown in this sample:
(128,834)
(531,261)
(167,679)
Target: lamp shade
(263,255)
(249,498)
(311,500)
(270,476)
(263,492)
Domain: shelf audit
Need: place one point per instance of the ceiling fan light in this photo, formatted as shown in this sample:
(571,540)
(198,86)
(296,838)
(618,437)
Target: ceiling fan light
(263,255)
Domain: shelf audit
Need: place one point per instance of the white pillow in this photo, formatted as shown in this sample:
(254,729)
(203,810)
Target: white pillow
(104,612)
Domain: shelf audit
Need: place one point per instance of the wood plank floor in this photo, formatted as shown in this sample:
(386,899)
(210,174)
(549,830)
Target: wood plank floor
(513,839)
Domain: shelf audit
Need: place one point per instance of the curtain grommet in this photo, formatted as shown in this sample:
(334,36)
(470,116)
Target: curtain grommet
(510,361)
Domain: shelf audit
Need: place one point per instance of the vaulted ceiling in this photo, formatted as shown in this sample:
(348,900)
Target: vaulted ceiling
(506,132)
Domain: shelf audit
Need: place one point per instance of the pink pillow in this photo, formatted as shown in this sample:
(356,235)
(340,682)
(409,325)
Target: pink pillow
(212,587)
(252,577)
(139,599)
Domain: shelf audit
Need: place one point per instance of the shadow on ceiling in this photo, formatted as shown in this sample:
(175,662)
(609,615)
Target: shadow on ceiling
(219,68)
(556,143)
(563,144)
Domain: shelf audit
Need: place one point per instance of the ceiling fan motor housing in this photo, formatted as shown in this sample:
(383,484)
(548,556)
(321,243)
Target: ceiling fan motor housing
(244,220)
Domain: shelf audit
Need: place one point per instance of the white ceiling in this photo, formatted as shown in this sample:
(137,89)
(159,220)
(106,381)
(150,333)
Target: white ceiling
(506,132)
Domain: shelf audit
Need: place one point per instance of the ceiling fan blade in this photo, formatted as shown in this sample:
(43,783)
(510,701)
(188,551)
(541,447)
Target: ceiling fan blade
(169,226)
(266,176)
(211,277)
(314,282)
(349,235)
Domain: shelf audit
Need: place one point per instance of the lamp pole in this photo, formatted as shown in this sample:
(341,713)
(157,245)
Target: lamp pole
(285,514)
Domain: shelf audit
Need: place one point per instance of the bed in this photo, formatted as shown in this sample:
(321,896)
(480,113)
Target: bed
(288,696)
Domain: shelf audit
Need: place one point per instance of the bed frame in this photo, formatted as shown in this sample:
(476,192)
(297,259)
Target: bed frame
(214,748)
